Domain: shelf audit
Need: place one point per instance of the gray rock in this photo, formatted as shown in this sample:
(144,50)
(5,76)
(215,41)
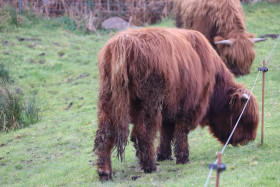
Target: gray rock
(115,23)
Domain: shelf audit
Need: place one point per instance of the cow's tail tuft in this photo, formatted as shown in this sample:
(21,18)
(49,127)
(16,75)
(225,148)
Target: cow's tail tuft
(121,54)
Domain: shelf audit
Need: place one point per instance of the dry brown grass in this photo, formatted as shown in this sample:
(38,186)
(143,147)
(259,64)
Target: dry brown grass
(92,12)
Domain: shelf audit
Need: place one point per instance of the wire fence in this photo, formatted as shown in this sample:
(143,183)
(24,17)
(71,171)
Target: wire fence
(251,92)
(268,56)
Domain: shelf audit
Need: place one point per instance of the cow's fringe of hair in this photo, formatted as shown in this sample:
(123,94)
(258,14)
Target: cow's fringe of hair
(120,94)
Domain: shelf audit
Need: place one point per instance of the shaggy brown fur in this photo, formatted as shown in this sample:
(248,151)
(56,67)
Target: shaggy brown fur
(167,79)
(219,20)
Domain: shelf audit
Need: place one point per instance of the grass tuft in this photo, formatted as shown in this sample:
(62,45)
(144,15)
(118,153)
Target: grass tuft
(10,108)
(30,114)
(8,18)
(14,113)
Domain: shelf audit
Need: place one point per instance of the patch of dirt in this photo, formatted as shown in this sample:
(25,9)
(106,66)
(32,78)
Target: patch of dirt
(26,161)
(7,43)
(61,54)
(21,39)
(135,177)
(19,136)
(32,45)
(69,106)
(84,75)
(42,61)
(32,61)
(56,43)
(3,164)
(173,170)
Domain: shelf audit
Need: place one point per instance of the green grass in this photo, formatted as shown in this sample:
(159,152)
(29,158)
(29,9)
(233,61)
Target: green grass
(49,60)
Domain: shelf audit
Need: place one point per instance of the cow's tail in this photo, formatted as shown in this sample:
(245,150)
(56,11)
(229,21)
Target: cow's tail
(121,54)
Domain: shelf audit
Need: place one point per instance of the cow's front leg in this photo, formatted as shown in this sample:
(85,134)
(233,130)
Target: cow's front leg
(166,135)
(103,146)
(181,149)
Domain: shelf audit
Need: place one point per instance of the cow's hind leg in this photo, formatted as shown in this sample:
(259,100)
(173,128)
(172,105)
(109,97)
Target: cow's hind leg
(103,146)
(143,135)
(181,143)
(166,135)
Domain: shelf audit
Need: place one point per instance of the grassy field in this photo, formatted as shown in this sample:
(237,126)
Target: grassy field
(58,66)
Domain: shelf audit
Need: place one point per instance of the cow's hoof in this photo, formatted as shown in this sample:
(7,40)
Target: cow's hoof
(104,175)
(162,158)
(150,169)
(183,160)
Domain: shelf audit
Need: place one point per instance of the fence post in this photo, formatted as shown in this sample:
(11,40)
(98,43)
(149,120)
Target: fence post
(219,166)
(218,171)
(263,69)
(20,6)
(263,101)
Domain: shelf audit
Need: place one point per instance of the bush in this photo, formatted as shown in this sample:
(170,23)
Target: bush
(13,112)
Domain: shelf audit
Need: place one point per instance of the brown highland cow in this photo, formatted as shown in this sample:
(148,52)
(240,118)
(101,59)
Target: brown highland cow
(167,79)
(222,22)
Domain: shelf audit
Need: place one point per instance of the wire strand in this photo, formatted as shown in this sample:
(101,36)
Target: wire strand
(273,66)
(272,49)
(226,144)
(211,169)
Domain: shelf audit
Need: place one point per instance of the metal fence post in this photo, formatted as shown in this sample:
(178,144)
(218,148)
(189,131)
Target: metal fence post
(263,102)
(263,69)
(20,6)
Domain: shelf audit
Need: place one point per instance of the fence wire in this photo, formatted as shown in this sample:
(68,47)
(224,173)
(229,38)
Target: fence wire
(226,144)
(268,56)
(211,169)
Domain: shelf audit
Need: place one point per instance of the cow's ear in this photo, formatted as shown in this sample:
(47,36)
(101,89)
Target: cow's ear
(244,97)
(233,101)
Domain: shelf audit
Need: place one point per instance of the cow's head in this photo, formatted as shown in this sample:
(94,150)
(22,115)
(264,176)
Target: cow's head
(237,52)
(223,117)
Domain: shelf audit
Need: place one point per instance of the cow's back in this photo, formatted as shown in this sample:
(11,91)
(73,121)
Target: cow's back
(211,17)
(183,60)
